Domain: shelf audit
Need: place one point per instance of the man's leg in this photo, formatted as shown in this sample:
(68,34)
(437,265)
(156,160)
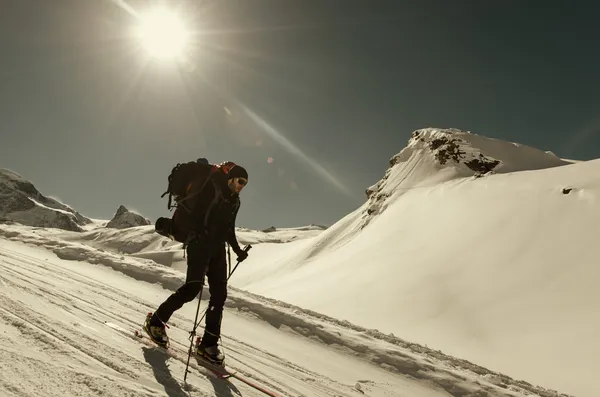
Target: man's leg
(197,261)
(217,281)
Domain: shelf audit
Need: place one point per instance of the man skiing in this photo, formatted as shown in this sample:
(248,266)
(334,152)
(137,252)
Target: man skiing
(213,211)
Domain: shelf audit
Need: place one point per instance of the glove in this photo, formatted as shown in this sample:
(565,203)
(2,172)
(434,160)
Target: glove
(241,255)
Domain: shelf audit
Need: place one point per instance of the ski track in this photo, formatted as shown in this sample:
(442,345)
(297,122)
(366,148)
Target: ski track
(76,295)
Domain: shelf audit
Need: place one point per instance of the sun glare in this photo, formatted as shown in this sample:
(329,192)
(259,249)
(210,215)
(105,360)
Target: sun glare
(163,34)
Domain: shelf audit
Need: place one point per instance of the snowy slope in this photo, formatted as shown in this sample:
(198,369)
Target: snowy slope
(499,269)
(57,318)
(432,156)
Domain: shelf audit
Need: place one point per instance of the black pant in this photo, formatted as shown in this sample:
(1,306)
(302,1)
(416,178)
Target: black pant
(200,258)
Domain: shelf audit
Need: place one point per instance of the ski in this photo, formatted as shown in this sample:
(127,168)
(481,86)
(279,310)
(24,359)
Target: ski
(235,374)
(176,354)
(220,372)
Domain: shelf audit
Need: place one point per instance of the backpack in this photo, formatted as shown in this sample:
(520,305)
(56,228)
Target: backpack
(185,181)
(182,178)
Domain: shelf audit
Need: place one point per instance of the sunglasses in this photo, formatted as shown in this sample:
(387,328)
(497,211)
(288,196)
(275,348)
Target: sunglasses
(241,181)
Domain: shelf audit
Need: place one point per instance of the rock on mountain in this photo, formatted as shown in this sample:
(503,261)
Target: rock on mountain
(21,202)
(125,218)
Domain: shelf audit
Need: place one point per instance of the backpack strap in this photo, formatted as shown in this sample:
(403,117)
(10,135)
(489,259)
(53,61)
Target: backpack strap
(193,235)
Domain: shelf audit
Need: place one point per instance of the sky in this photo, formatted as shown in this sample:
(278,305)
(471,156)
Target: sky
(312,97)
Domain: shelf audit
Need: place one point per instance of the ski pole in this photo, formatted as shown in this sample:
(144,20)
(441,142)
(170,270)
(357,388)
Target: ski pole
(194,330)
(228,258)
(246,249)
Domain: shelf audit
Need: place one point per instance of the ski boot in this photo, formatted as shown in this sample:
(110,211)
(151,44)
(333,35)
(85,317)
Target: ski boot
(157,333)
(212,354)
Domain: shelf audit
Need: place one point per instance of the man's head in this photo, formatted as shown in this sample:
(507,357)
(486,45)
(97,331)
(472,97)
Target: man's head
(237,178)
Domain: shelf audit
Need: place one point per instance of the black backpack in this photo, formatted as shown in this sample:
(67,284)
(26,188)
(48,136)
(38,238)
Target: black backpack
(183,177)
(184,182)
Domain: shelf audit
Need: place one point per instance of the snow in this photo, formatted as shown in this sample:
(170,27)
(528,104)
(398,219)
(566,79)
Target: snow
(51,209)
(469,271)
(53,315)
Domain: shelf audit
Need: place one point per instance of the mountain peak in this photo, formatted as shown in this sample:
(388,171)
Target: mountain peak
(452,146)
(125,218)
(121,210)
(438,155)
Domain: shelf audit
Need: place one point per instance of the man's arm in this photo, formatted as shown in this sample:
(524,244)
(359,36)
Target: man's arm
(231,238)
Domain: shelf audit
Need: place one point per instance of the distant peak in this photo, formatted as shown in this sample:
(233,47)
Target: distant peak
(121,210)
(125,218)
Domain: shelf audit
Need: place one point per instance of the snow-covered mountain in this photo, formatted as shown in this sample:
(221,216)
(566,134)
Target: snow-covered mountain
(435,155)
(21,202)
(479,248)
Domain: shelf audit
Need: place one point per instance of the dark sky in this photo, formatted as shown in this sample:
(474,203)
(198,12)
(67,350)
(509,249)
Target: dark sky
(329,90)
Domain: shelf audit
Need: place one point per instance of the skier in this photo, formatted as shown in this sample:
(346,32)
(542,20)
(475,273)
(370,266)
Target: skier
(213,212)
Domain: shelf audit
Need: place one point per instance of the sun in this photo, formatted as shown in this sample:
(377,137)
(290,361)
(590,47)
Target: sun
(163,34)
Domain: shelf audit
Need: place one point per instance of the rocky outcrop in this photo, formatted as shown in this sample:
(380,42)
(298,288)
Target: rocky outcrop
(451,148)
(21,202)
(124,219)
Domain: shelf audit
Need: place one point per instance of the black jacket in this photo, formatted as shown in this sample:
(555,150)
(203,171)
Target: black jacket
(215,210)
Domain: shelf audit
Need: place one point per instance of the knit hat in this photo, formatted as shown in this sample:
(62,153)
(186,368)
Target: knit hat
(237,172)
